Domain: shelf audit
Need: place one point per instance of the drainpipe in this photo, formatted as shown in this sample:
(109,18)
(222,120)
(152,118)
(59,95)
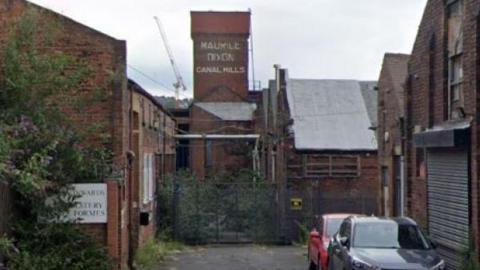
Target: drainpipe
(402,185)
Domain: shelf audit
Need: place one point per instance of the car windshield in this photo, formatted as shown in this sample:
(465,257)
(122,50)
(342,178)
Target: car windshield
(332,226)
(389,235)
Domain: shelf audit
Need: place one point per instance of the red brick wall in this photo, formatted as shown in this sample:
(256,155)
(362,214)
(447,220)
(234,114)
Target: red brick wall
(389,113)
(367,183)
(152,132)
(433,31)
(417,97)
(207,22)
(322,195)
(220,49)
(105,57)
(222,160)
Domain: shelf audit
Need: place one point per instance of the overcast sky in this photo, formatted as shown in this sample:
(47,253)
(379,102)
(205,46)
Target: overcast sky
(318,39)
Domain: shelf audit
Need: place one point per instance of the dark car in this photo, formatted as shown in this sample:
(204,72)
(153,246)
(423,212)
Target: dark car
(375,243)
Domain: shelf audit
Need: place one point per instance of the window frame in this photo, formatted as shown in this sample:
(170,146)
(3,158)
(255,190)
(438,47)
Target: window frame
(148,178)
(454,48)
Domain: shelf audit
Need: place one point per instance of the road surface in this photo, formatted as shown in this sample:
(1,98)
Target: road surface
(249,257)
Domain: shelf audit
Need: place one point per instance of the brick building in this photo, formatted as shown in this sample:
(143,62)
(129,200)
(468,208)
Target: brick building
(442,125)
(323,149)
(221,105)
(152,143)
(390,130)
(129,199)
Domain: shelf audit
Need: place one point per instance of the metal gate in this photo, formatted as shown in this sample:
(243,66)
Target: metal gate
(226,213)
(448,203)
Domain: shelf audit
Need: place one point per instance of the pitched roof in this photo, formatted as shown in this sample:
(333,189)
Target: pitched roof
(370,94)
(332,114)
(139,89)
(396,66)
(229,111)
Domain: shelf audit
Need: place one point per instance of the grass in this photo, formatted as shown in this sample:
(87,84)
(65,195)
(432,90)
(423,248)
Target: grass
(154,252)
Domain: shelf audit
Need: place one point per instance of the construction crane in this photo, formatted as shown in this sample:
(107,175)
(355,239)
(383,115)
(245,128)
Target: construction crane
(179,84)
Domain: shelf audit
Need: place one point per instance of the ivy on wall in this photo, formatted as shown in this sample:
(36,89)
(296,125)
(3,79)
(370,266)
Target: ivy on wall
(41,151)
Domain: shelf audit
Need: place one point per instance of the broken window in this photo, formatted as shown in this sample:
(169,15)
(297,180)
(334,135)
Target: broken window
(455,56)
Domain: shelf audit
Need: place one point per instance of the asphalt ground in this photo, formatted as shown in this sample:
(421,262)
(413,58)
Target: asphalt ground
(247,257)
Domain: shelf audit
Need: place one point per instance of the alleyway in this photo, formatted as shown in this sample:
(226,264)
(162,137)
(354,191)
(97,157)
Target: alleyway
(238,258)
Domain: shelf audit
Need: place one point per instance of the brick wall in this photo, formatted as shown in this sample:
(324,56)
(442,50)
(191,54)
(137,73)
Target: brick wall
(220,44)
(201,122)
(390,123)
(322,195)
(428,84)
(220,49)
(152,132)
(105,57)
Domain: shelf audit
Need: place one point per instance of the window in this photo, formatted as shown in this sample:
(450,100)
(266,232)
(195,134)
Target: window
(421,170)
(331,166)
(332,226)
(145,178)
(385,176)
(389,235)
(455,56)
(151,178)
(148,178)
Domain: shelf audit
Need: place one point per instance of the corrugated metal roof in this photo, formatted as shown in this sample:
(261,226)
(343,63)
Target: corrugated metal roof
(370,96)
(330,115)
(229,111)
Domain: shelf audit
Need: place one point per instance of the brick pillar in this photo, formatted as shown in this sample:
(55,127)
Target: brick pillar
(113,223)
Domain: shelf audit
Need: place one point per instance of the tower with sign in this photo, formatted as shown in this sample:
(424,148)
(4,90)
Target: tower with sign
(220,55)
(221,104)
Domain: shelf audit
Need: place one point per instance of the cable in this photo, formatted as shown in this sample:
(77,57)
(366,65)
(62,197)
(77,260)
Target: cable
(155,81)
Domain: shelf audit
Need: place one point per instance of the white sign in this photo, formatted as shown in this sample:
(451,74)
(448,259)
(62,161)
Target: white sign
(220,57)
(91,206)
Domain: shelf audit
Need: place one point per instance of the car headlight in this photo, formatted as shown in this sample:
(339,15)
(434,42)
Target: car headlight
(360,265)
(439,266)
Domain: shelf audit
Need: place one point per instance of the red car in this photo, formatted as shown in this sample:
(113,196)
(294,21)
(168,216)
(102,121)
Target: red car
(318,244)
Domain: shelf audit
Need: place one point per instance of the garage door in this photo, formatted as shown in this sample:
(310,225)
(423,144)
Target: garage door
(448,203)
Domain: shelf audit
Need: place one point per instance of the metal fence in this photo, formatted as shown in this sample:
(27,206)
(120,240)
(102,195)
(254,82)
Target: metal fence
(224,212)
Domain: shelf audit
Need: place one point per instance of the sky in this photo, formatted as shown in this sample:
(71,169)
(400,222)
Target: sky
(314,39)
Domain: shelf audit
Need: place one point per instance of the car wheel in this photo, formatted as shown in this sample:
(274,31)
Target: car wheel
(319,264)
(312,266)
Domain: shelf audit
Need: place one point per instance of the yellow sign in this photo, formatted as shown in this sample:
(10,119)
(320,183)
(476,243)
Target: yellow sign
(296,203)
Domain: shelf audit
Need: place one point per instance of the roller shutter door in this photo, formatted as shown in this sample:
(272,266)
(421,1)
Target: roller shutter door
(448,202)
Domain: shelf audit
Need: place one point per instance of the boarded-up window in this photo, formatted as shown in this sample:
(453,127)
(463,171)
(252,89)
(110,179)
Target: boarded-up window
(332,166)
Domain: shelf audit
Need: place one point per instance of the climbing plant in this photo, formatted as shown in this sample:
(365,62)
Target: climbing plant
(41,151)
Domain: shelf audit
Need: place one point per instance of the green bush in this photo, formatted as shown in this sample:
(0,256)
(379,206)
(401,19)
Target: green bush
(42,154)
